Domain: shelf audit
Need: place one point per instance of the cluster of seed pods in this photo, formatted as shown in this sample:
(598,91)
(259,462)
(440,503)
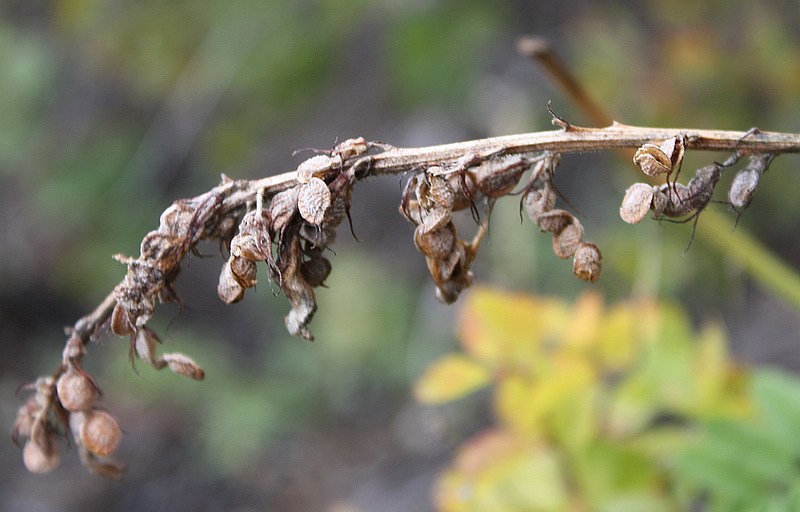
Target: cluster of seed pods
(686,202)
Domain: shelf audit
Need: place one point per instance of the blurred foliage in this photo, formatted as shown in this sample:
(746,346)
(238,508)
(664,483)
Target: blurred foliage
(618,408)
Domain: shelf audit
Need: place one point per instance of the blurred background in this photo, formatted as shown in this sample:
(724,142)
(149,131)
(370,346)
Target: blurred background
(110,110)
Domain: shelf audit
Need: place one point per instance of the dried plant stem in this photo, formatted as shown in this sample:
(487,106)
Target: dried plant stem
(237,194)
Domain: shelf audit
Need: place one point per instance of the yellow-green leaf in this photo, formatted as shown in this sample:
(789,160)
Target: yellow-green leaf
(503,328)
(450,378)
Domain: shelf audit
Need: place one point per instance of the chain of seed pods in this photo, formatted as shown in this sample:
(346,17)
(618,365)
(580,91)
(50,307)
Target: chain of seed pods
(686,202)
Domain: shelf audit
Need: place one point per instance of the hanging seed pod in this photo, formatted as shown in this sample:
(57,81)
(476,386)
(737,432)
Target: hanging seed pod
(314,200)
(587,262)
(672,200)
(183,365)
(228,289)
(566,242)
(100,433)
(439,189)
(538,202)
(244,271)
(636,203)
(76,390)
(435,244)
(746,181)
(121,323)
(316,270)
(144,344)
(555,221)
(41,456)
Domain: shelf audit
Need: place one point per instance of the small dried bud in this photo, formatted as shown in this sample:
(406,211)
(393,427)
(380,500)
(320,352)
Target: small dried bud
(314,200)
(100,433)
(636,203)
(435,244)
(316,270)
(41,455)
(567,241)
(183,365)
(121,323)
(73,349)
(555,221)
(316,166)
(587,262)
(77,390)
(228,289)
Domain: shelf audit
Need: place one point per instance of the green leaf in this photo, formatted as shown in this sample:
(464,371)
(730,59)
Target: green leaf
(450,378)
(778,397)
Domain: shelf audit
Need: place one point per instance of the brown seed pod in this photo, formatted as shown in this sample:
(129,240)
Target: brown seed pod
(228,289)
(567,241)
(497,178)
(317,166)
(435,244)
(100,433)
(636,203)
(675,198)
(41,455)
(746,181)
(656,160)
(587,262)
(244,271)
(183,365)
(537,202)
(314,200)
(76,390)
(121,323)
(351,148)
(316,270)
(555,221)
(439,189)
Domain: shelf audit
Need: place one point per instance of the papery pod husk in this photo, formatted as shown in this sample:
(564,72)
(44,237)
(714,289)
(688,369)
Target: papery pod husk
(588,262)
(244,271)
(496,179)
(435,244)
(567,241)
(228,288)
(637,202)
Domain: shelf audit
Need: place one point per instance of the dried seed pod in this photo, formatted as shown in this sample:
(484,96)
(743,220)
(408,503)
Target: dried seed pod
(566,242)
(316,270)
(555,221)
(656,160)
(41,456)
(587,262)
(76,390)
(497,178)
(121,323)
(282,207)
(351,148)
(317,166)
(675,198)
(228,289)
(244,271)
(538,202)
(439,189)
(183,365)
(636,203)
(144,344)
(314,200)
(100,433)
(435,244)
(652,160)
(742,189)
(746,181)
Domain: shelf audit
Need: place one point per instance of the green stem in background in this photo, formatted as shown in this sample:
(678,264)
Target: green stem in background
(757,260)
(773,274)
